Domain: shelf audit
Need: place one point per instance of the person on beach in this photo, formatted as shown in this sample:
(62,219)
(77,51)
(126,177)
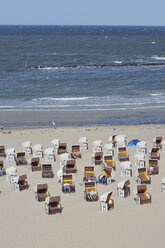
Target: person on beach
(2,128)
(54,123)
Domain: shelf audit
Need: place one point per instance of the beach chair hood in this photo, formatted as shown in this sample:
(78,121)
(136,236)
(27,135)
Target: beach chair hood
(105,196)
(123,184)
(11,171)
(37,148)
(55,142)
(26,144)
(83,140)
(97,143)
(49,151)
(126,165)
(10,151)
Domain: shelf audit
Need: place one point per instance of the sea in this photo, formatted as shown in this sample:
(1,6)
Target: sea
(81,75)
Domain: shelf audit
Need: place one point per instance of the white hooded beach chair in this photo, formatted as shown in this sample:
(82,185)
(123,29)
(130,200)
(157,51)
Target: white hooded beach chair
(125,168)
(63,159)
(141,147)
(10,154)
(121,141)
(27,147)
(49,154)
(163,145)
(140,160)
(38,151)
(97,146)
(157,142)
(112,140)
(107,176)
(55,144)
(106,203)
(83,141)
(163,185)
(11,174)
(20,183)
(122,188)
(108,149)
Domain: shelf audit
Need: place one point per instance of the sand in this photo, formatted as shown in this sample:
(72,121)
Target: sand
(81,224)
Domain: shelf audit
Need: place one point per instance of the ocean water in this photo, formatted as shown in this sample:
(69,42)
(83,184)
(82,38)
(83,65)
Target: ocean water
(81,75)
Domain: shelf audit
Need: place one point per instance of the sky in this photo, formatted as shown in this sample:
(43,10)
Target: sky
(82,12)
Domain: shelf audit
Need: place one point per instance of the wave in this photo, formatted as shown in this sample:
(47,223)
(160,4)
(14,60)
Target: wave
(158,58)
(114,64)
(157,94)
(60,99)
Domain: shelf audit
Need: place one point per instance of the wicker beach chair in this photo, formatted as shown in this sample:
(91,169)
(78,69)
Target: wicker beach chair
(49,155)
(107,176)
(89,174)
(141,147)
(67,184)
(20,159)
(41,192)
(157,142)
(21,183)
(38,151)
(75,153)
(141,195)
(142,177)
(153,167)
(83,141)
(154,153)
(70,166)
(140,160)
(62,148)
(97,158)
(106,202)
(122,188)
(53,205)
(109,161)
(2,151)
(35,164)
(122,154)
(126,169)
(47,171)
(27,147)
(90,191)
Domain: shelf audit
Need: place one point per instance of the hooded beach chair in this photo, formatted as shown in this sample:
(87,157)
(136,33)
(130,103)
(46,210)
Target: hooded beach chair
(141,195)
(97,158)
(89,174)
(153,167)
(90,191)
(106,202)
(27,147)
(55,144)
(20,183)
(157,142)
(70,166)
(38,151)
(142,177)
(49,154)
(106,176)
(2,169)
(122,154)
(140,160)
(35,164)
(97,146)
(62,148)
(75,153)
(63,159)
(2,151)
(20,159)
(122,188)
(10,154)
(53,205)
(67,184)
(120,141)
(47,171)
(108,161)
(41,192)
(126,169)
(112,140)
(108,150)
(11,173)
(83,141)
(163,185)
(141,147)
(154,153)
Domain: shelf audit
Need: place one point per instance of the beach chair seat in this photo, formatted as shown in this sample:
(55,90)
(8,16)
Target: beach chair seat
(90,192)
(83,141)
(35,164)
(106,203)
(41,192)
(20,183)
(122,188)
(153,167)
(126,169)
(141,147)
(53,205)
(21,159)
(67,184)
(157,142)
(122,154)
(89,174)
(142,196)
(106,177)
(98,158)
(70,166)
(47,171)
(2,151)
(154,153)
(142,177)
(62,148)
(27,147)
(75,153)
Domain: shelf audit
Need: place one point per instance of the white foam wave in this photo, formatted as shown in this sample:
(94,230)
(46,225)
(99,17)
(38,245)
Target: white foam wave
(117,62)
(61,99)
(153,42)
(156,94)
(158,58)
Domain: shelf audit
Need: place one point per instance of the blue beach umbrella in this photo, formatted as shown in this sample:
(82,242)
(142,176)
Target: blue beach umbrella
(133,142)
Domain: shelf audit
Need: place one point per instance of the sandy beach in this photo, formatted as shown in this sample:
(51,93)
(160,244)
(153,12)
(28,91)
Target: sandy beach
(81,224)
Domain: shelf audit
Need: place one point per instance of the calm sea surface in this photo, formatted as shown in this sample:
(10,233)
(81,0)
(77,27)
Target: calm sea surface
(81,75)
